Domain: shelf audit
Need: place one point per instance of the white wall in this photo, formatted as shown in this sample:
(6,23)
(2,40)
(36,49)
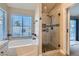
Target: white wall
(38,28)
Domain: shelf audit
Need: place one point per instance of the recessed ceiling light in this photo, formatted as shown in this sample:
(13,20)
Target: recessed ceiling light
(45,7)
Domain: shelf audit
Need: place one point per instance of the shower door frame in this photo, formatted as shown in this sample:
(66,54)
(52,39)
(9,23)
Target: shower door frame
(68,29)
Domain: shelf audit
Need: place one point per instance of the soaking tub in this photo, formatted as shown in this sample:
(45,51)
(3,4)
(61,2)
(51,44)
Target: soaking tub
(19,43)
(23,47)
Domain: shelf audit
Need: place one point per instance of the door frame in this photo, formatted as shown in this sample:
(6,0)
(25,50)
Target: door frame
(68,29)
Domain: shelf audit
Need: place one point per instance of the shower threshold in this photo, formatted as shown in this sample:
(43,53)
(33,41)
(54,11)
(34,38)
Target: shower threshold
(47,47)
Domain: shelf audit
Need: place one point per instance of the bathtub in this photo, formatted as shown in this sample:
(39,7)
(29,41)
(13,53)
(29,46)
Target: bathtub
(23,47)
(19,43)
(72,43)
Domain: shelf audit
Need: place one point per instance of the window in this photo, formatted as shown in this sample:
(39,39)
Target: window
(72,30)
(2,24)
(21,26)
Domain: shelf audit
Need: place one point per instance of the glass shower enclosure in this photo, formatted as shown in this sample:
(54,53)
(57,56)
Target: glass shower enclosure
(50,31)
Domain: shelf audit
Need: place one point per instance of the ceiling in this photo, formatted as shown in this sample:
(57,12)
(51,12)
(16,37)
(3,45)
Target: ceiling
(29,6)
(47,7)
(74,10)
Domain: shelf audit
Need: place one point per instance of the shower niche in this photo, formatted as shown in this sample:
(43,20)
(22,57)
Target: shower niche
(50,33)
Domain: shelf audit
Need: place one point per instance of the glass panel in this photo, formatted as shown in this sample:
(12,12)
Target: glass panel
(16,26)
(17,21)
(21,26)
(27,25)
(72,30)
(27,31)
(17,32)
(27,21)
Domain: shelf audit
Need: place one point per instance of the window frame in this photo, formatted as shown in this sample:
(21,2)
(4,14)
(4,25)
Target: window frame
(74,20)
(21,26)
(4,21)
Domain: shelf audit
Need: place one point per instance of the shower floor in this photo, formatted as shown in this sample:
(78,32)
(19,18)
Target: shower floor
(47,47)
